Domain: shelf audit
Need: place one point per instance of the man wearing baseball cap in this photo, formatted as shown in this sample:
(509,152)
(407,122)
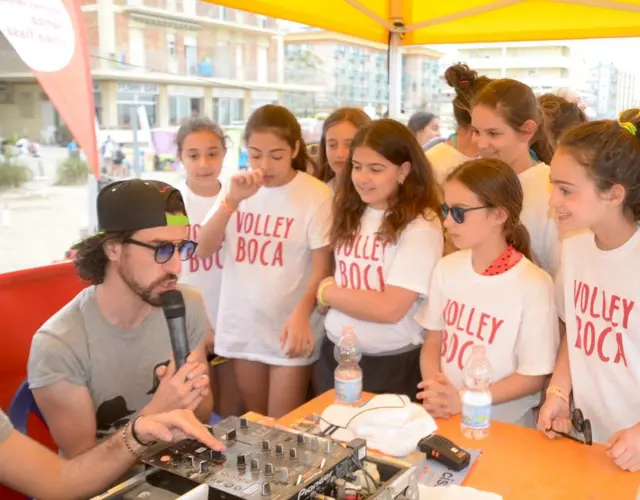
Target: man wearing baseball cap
(92,365)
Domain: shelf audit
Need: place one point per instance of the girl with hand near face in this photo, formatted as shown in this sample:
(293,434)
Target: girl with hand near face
(386,237)
(338,131)
(508,125)
(488,293)
(596,195)
(275,222)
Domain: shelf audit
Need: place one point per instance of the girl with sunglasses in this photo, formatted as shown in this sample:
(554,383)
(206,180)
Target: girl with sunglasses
(488,293)
(386,237)
(596,197)
(275,222)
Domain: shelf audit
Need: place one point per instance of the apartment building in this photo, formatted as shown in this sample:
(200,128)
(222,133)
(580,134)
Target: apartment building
(612,90)
(354,72)
(173,57)
(543,66)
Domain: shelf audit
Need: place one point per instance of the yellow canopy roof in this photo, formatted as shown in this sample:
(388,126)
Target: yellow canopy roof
(458,21)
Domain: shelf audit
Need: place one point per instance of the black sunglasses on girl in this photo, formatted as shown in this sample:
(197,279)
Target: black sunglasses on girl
(164,251)
(457,213)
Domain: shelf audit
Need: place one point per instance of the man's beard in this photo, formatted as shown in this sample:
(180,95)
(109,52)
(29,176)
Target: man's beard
(145,292)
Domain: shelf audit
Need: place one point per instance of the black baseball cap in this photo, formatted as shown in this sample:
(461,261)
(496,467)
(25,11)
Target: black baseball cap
(135,204)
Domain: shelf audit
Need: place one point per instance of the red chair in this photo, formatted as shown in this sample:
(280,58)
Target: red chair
(27,299)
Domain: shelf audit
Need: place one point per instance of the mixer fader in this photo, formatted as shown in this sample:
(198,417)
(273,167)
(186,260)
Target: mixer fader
(259,462)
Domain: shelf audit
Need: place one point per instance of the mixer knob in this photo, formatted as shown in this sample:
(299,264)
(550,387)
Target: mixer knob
(254,464)
(268,469)
(293,454)
(242,461)
(328,447)
(283,475)
(244,423)
(307,458)
(266,489)
(313,443)
(176,458)
(279,450)
(231,435)
(300,439)
(204,466)
(266,445)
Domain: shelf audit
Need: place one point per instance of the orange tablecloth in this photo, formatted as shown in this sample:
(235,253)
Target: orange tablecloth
(522,464)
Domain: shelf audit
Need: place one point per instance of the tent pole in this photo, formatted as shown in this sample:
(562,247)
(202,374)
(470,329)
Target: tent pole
(395,75)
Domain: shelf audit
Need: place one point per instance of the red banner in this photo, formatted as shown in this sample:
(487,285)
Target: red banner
(49,36)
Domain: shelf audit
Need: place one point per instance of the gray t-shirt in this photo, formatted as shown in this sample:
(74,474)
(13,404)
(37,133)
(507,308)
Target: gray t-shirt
(5,426)
(117,366)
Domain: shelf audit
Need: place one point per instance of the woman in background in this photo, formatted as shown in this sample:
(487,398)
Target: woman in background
(338,131)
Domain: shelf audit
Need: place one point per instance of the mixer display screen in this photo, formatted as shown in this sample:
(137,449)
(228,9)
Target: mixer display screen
(259,462)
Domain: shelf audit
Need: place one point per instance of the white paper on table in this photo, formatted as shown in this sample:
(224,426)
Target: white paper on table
(454,493)
(390,423)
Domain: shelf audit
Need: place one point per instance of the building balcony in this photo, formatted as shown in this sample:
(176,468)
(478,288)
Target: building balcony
(496,63)
(171,17)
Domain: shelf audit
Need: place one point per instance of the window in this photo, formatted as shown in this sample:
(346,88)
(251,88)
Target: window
(179,108)
(239,56)
(227,111)
(136,47)
(171,45)
(263,64)
(191,55)
(189,7)
(132,95)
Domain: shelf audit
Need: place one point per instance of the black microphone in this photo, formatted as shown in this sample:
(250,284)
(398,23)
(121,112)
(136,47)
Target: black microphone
(174,310)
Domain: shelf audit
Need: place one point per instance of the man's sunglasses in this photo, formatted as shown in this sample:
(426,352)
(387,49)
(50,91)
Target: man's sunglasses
(164,251)
(457,213)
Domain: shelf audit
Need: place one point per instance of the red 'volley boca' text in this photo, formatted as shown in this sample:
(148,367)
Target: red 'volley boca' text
(602,320)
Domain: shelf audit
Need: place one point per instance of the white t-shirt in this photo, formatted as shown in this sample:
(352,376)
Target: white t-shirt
(538,219)
(512,314)
(444,158)
(267,265)
(202,274)
(603,330)
(371,263)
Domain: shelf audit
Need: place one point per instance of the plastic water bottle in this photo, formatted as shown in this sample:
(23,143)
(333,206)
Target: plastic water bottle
(476,396)
(348,374)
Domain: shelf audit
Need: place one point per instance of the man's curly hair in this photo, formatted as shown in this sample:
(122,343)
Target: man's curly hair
(91,260)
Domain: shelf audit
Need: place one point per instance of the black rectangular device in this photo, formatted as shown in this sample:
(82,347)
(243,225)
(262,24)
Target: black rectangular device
(443,450)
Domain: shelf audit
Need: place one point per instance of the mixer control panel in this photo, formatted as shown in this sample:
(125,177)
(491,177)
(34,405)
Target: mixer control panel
(259,463)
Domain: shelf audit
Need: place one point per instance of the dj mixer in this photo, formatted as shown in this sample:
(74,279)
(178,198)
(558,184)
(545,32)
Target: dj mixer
(265,463)
(259,461)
